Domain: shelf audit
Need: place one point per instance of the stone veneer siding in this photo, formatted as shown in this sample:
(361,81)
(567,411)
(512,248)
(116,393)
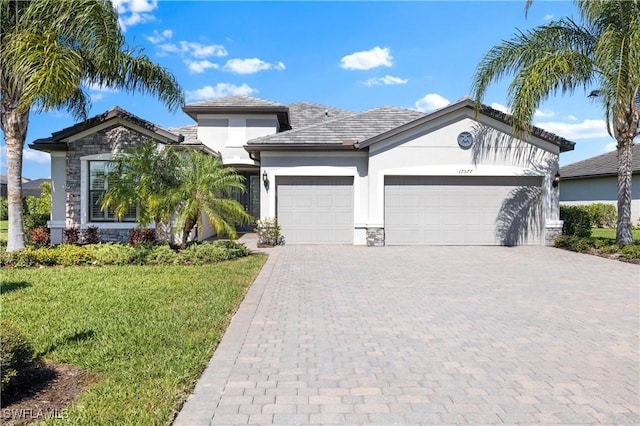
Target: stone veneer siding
(375,237)
(550,234)
(108,141)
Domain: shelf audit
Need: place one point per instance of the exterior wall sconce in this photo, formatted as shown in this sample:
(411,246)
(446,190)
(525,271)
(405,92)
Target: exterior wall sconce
(265,179)
(556,180)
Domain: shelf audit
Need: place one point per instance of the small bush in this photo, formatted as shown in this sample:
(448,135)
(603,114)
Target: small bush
(40,236)
(577,221)
(112,254)
(35,220)
(142,236)
(90,235)
(610,249)
(199,254)
(630,251)
(71,236)
(4,208)
(162,255)
(70,255)
(235,249)
(269,233)
(16,357)
(602,215)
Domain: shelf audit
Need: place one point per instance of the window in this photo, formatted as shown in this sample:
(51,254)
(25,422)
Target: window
(97,184)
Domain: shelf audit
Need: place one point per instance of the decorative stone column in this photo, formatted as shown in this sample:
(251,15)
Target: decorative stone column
(375,237)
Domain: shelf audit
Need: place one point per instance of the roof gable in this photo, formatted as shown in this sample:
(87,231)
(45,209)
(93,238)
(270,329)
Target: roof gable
(113,117)
(468,104)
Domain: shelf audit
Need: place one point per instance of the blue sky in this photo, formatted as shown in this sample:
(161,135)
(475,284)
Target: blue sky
(350,55)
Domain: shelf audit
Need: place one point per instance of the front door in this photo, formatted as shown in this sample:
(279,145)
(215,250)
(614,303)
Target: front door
(250,200)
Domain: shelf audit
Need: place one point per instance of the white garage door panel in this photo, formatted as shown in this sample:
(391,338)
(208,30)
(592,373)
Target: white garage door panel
(315,210)
(462,210)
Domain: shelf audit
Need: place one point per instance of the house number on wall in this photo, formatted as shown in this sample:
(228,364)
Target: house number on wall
(465,171)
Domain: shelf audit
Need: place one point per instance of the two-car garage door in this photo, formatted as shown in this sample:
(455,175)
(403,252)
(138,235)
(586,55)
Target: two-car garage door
(315,209)
(463,210)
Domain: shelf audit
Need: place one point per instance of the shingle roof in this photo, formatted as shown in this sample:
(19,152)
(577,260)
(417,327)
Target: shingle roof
(601,165)
(235,101)
(190,132)
(347,129)
(304,114)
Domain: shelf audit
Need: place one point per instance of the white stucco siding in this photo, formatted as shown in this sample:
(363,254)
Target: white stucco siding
(338,163)
(228,133)
(599,190)
(433,150)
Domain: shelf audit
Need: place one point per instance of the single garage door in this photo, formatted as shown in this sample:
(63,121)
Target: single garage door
(463,210)
(315,209)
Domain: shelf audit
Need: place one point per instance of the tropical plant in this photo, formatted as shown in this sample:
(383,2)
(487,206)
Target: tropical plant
(145,178)
(49,49)
(601,51)
(206,186)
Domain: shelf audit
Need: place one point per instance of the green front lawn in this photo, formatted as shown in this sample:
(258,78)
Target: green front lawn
(146,332)
(611,233)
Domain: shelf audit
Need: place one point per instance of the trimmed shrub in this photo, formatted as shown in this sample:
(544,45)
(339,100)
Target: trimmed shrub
(235,249)
(112,254)
(602,215)
(71,236)
(630,251)
(142,236)
(199,254)
(40,236)
(16,357)
(90,235)
(577,221)
(70,255)
(162,255)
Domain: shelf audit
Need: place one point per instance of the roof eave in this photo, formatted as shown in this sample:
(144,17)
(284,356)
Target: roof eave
(298,147)
(281,111)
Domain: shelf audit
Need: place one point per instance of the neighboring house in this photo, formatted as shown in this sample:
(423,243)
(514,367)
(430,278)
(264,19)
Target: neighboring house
(595,180)
(3,185)
(384,176)
(33,187)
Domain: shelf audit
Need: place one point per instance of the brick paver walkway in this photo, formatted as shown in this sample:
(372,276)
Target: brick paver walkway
(428,335)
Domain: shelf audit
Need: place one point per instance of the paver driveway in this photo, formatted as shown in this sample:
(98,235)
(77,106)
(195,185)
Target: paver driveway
(424,335)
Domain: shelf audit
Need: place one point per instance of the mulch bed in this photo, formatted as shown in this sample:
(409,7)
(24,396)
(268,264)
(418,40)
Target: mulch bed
(44,392)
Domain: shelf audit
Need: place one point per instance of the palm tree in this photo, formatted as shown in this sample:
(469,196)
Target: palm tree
(144,178)
(208,187)
(48,50)
(602,50)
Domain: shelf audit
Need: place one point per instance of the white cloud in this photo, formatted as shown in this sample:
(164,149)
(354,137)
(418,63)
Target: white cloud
(547,113)
(220,90)
(133,12)
(500,108)
(198,67)
(431,102)
(250,66)
(573,131)
(160,37)
(36,156)
(97,92)
(571,117)
(386,80)
(611,146)
(367,59)
(193,49)
(548,17)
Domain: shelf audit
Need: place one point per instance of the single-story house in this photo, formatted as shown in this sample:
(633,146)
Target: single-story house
(386,176)
(595,180)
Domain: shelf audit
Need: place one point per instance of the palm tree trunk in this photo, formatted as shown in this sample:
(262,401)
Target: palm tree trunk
(623,229)
(186,230)
(14,123)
